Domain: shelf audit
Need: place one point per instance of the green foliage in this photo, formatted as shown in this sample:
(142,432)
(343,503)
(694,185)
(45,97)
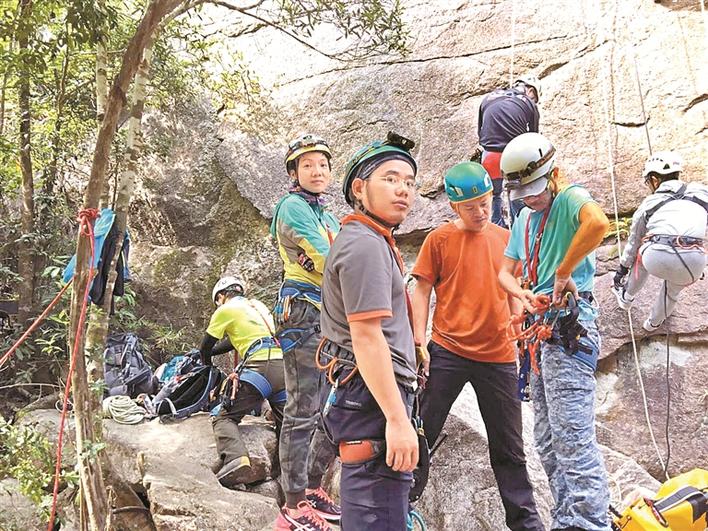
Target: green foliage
(26,455)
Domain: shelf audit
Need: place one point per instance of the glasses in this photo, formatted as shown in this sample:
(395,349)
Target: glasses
(396,182)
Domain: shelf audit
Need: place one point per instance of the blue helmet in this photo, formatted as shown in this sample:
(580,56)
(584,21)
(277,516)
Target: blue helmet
(466,181)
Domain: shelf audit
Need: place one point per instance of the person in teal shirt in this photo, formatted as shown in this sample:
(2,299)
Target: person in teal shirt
(554,239)
(304,230)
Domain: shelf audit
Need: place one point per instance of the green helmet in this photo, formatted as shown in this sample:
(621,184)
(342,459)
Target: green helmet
(394,143)
(467,180)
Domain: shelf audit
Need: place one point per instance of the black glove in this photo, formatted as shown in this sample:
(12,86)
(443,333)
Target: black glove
(476,155)
(619,276)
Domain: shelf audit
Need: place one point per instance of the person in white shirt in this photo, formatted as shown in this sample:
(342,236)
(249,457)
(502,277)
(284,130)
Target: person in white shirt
(666,240)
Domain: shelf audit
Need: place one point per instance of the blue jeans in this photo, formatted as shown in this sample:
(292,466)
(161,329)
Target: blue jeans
(563,397)
(498,205)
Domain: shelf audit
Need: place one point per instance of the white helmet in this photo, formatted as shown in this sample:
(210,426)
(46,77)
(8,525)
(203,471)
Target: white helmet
(526,163)
(225,283)
(663,163)
(530,81)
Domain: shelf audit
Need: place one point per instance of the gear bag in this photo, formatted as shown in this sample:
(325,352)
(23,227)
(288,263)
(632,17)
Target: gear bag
(680,504)
(125,369)
(189,393)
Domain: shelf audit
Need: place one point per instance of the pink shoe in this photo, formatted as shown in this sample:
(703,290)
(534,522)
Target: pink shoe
(304,518)
(323,505)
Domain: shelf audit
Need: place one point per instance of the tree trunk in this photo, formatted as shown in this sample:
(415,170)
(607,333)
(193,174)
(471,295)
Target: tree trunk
(101,99)
(85,403)
(25,252)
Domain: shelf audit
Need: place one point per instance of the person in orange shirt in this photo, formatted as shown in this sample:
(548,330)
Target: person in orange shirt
(461,261)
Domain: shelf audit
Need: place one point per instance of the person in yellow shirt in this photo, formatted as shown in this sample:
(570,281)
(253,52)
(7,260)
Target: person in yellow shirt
(245,326)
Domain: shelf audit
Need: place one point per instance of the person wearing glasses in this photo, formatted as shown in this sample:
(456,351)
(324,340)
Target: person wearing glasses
(666,240)
(305,231)
(369,352)
(554,240)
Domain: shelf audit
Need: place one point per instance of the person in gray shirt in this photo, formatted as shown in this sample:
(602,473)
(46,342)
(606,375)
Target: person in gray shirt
(368,351)
(666,240)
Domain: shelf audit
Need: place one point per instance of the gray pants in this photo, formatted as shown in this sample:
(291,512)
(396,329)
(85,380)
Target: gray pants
(305,451)
(677,268)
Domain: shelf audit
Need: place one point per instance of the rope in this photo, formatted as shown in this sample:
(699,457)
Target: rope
(613,180)
(123,410)
(34,326)
(86,218)
(641,99)
(513,41)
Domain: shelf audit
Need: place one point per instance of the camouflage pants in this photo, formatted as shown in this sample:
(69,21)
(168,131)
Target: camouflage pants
(305,451)
(563,397)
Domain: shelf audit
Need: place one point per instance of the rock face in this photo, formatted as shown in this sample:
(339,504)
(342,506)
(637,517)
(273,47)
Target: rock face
(205,198)
(17,511)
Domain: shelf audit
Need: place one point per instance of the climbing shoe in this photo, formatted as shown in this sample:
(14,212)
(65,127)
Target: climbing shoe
(651,327)
(623,301)
(234,472)
(304,518)
(323,505)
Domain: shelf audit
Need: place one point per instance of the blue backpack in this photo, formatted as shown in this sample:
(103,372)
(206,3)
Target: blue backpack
(184,394)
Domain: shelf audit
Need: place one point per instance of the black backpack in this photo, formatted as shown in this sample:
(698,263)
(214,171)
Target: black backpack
(125,370)
(189,393)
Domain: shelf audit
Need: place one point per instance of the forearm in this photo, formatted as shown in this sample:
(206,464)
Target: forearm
(591,232)
(634,241)
(373,358)
(222,347)
(208,343)
(508,280)
(421,310)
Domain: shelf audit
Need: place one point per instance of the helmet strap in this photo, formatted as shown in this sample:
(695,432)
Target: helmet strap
(358,205)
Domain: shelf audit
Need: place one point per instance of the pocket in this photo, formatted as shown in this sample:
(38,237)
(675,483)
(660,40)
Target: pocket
(587,352)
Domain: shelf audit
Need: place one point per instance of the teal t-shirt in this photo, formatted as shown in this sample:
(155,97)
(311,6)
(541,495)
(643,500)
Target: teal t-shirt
(561,226)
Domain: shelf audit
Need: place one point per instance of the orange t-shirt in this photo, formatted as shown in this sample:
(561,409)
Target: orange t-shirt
(472,311)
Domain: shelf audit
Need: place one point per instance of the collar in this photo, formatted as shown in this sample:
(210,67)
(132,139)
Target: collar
(386,232)
(309,197)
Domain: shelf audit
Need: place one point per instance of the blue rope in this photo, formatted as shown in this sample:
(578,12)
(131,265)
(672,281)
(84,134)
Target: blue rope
(412,518)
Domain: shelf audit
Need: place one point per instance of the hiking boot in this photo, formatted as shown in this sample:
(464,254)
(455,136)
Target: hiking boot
(234,472)
(623,301)
(323,505)
(304,518)
(651,327)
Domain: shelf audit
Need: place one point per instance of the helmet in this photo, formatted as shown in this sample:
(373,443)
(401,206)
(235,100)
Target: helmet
(466,181)
(227,283)
(530,81)
(663,163)
(526,163)
(302,145)
(394,143)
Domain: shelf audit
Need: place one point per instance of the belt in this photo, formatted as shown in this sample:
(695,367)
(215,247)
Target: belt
(681,241)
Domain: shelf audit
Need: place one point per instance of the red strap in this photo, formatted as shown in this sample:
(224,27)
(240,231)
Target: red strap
(532,262)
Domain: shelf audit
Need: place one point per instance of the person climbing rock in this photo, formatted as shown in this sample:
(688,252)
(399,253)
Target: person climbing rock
(666,240)
(554,240)
(368,351)
(455,260)
(246,326)
(304,230)
(504,114)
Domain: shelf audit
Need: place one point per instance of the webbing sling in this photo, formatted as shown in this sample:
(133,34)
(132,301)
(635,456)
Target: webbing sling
(673,196)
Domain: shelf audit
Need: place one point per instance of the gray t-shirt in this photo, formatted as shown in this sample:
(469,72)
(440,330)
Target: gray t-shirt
(362,280)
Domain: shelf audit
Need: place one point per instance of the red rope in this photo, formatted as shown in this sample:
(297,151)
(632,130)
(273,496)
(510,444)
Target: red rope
(86,218)
(34,326)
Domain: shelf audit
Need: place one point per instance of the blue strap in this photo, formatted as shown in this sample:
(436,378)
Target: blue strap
(258,381)
(280,397)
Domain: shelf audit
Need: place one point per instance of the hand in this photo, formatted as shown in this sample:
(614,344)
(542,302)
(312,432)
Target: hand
(561,286)
(306,262)
(528,300)
(422,358)
(401,445)
(476,155)
(619,276)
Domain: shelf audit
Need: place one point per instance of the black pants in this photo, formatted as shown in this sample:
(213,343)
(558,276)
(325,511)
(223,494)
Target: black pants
(373,496)
(495,387)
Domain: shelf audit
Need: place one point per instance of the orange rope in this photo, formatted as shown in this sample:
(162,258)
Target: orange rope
(86,218)
(329,367)
(532,336)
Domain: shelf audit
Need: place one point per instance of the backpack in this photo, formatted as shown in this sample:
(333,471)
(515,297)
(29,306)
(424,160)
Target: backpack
(125,370)
(681,504)
(189,393)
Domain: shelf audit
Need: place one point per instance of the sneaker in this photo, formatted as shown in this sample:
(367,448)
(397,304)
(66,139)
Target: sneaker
(234,472)
(324,505)
(304,518)
(623,301)
(651,327)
